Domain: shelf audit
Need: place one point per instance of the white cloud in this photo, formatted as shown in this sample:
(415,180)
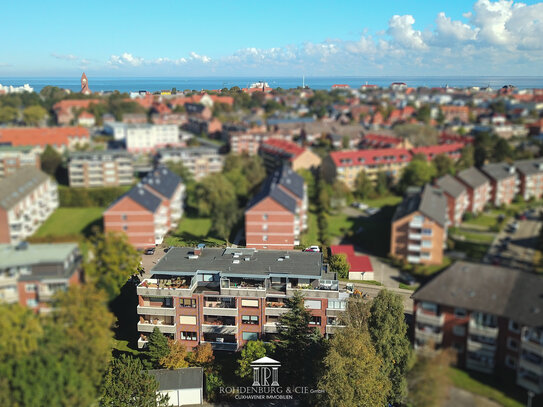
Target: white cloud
(448,30)
(65,57)
(125,59)
(202,58)
(400,28)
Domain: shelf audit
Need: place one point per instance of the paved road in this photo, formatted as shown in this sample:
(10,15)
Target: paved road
(373,291)
(458,397)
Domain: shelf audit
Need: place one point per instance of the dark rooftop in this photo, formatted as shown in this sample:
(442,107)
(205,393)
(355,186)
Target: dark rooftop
(18,185)
(430,202)
(451,186)
(472,177)
(144,197)
(163,181)
(186,378)
(499,171)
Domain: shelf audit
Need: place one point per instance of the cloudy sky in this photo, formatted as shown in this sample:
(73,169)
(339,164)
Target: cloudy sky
(279,38)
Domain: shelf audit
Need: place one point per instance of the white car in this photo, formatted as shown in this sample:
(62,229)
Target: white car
(312,249)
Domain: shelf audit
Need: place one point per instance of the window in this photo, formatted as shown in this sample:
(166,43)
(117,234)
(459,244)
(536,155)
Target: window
(249,319)
(31,288)
(249,336)
(425,255)
(125,228)
(265,227)
(336,304)
(512,344)
(187,303)
(32,302)
(123,216)
(418,218)
(188,336)
(315,320)
(510,362)
(427,232)
(265,216)
(265,238)
(459,330)
(429,307)
(312,304)
(460,312)
(426,243)
(514,327)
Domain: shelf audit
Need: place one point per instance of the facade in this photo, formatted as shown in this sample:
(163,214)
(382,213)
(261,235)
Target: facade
(27,199)
(478,188)
(60,138)
(277,215)
(110,168)
(276,152)
(490,315)
(227,297)
(149,210)
(345,165)
(13,158)
(30,274)
(141,138)
(360,266)
(530,175)
(372,140)
(457,197)
(200,161)
(184,387)
(66,110)
(453,151)
(504,182)
(453,113)
(245,143)
(419,227)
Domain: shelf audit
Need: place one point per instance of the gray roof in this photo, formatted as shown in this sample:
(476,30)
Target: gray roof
(292,181)
(261,262)
(499,171)
(174,379)
(509,293)
(99,154)
(289,180)
(451,186)
(472,177)
(18,185)
(144,197)
(529,167)
(431,202)
(163,181)
(34,253)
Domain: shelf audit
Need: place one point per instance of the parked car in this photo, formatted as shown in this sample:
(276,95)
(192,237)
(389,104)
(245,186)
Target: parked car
(407,279)
(150,251)
(372,211)
(167,249)
(312,249)
(359,205)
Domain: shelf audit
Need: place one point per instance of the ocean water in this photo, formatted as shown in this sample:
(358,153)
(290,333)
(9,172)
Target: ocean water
(127,84)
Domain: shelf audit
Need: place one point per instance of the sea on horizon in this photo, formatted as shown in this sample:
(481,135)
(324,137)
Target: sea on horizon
(128,84)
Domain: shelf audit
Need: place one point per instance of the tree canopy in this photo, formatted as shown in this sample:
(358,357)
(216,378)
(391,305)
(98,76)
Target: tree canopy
(338,264)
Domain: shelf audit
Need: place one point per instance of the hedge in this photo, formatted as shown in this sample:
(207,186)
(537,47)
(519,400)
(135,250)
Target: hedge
(85,197)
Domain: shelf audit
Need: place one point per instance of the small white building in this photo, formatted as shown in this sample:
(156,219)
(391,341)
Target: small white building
(184,387)
(141,138)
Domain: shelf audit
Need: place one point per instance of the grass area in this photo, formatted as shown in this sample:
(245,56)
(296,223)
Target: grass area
(311,237)
(505,393)
(369,282)
(474,236)
(409,287)
(122,346)
(191,231)
(391,200)
(482,220)
(474,251)
(70,223)
(427,270)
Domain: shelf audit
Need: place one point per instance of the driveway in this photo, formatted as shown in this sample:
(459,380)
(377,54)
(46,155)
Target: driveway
(150,260)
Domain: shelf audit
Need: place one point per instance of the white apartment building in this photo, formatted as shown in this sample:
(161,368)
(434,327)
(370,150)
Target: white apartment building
(109,168)
(28,197)
(13,158)
(200,161)
(144,137)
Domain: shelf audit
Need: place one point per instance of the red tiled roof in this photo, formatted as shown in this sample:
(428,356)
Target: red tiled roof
(41,136)
(275,145)
(431,151)
(71,103)
(358,263)
(368,157)
(340,85)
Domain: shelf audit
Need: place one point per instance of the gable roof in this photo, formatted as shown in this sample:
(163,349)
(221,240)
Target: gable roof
(270,188)
(358,263)
(163,181)
(143,197)
(289,179)
(472,177)
(370,157)
(501,291)
(529,167)
(282,147)
(18,185)
(451,186)
(41,136)
(499,171)
(430,202)
(174,379)
(431,151)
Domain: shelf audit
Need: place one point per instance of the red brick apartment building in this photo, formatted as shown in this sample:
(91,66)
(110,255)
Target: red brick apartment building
(276,152)
(530,175)
(504,182)
(419,226)
(372,140)
(13,158)
(277,215)
(30,274)
(478,188)
(227,297)
(490,315)
(60,138)
(453,151)
(457,198)
(149,210)
(455,113)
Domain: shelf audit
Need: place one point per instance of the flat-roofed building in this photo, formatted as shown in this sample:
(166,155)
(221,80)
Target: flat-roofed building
(200,161)
(13,158)
(109,168)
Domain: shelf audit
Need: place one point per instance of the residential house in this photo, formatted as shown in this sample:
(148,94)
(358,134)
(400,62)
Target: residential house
(60,138)
(106,168)
(227,297)
(66,110)
(491,317)
(13,158)
(453,151)
(360,267)
(276,152)
(201,161)
(452,113)
(457,197)
(530,175)
(380,141)
(478,188)
(28,197)
(419,226)
(504,182)
(86,119)
(30,274)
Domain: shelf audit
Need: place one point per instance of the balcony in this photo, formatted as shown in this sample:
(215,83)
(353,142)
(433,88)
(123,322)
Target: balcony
(317,289)
(478,366)
(142,343)
(532,366)
(9,296)
(413,247)
(149,327)
(178,287)
(270,328)
(219,329)
(332,329)
(243,287)
(413,259)
(219,308)
(276,311)
(427,318)
(481,330)
(415,224)
(415,236)
(481,347)
(224,346)
(530,383)
(166,311)
(532,341)
(428,335)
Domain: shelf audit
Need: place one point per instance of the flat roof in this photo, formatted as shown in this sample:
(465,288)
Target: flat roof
(12,256)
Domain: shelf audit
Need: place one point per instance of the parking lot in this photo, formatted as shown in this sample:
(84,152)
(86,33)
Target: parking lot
(515,246)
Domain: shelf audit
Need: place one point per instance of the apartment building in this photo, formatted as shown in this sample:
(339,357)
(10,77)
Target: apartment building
(380,141)
(200,161)
(530,175)
(346,165)
(453,113)
(13,158)
(457,197)
(30,274)
(60,138)
(503,181)
(453,151)
(28,197)
(110,168)
(478,188)
(149,210)
(277,215)
(227,297)
(490,315)
(276,152)
(419,226)
(144,137)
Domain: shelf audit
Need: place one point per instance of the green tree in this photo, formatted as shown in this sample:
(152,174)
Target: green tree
(158,347)
(8,114)
(388,332)
(339,265)
(252,351)
(363,186)
(353,372)
(112,260)
(20,331)
(417,173)
(33,115)
(50,160)
(429,380)
(443,164)
(177,356)
(127,384)
(466,158)
(424,114)
(179,169)
(383,184)
(502,151)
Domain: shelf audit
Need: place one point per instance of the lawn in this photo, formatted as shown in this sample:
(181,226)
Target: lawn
(482,220)
(70,223)
(311,237)
(191,231)
(420,270)
(474,236)
(505,393)
(474,251)
(391,200)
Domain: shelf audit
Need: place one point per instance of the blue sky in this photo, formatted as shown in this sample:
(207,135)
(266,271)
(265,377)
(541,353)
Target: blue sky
(286,38)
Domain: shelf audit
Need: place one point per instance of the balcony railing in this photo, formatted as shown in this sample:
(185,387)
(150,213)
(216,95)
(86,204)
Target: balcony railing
(531,366)
(332,329)
(226,311)
(427,318)
(415,236)
(481,347)
(142,343)
(429,335)
(167,288)
(529,384)
(270,328)
(479,366)
(159,310)
(224,346)
(149,327)
(477,329)
(413,259)
(219,329)
(413,248)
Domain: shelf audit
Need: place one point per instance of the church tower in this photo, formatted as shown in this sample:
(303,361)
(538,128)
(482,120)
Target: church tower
(85,85)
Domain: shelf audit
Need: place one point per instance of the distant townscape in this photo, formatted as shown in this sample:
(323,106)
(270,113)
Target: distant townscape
(178,236)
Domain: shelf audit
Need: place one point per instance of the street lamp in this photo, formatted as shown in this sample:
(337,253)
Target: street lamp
(530,396)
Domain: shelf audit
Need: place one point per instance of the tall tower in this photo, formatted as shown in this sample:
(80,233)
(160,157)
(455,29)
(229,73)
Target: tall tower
(85,85)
